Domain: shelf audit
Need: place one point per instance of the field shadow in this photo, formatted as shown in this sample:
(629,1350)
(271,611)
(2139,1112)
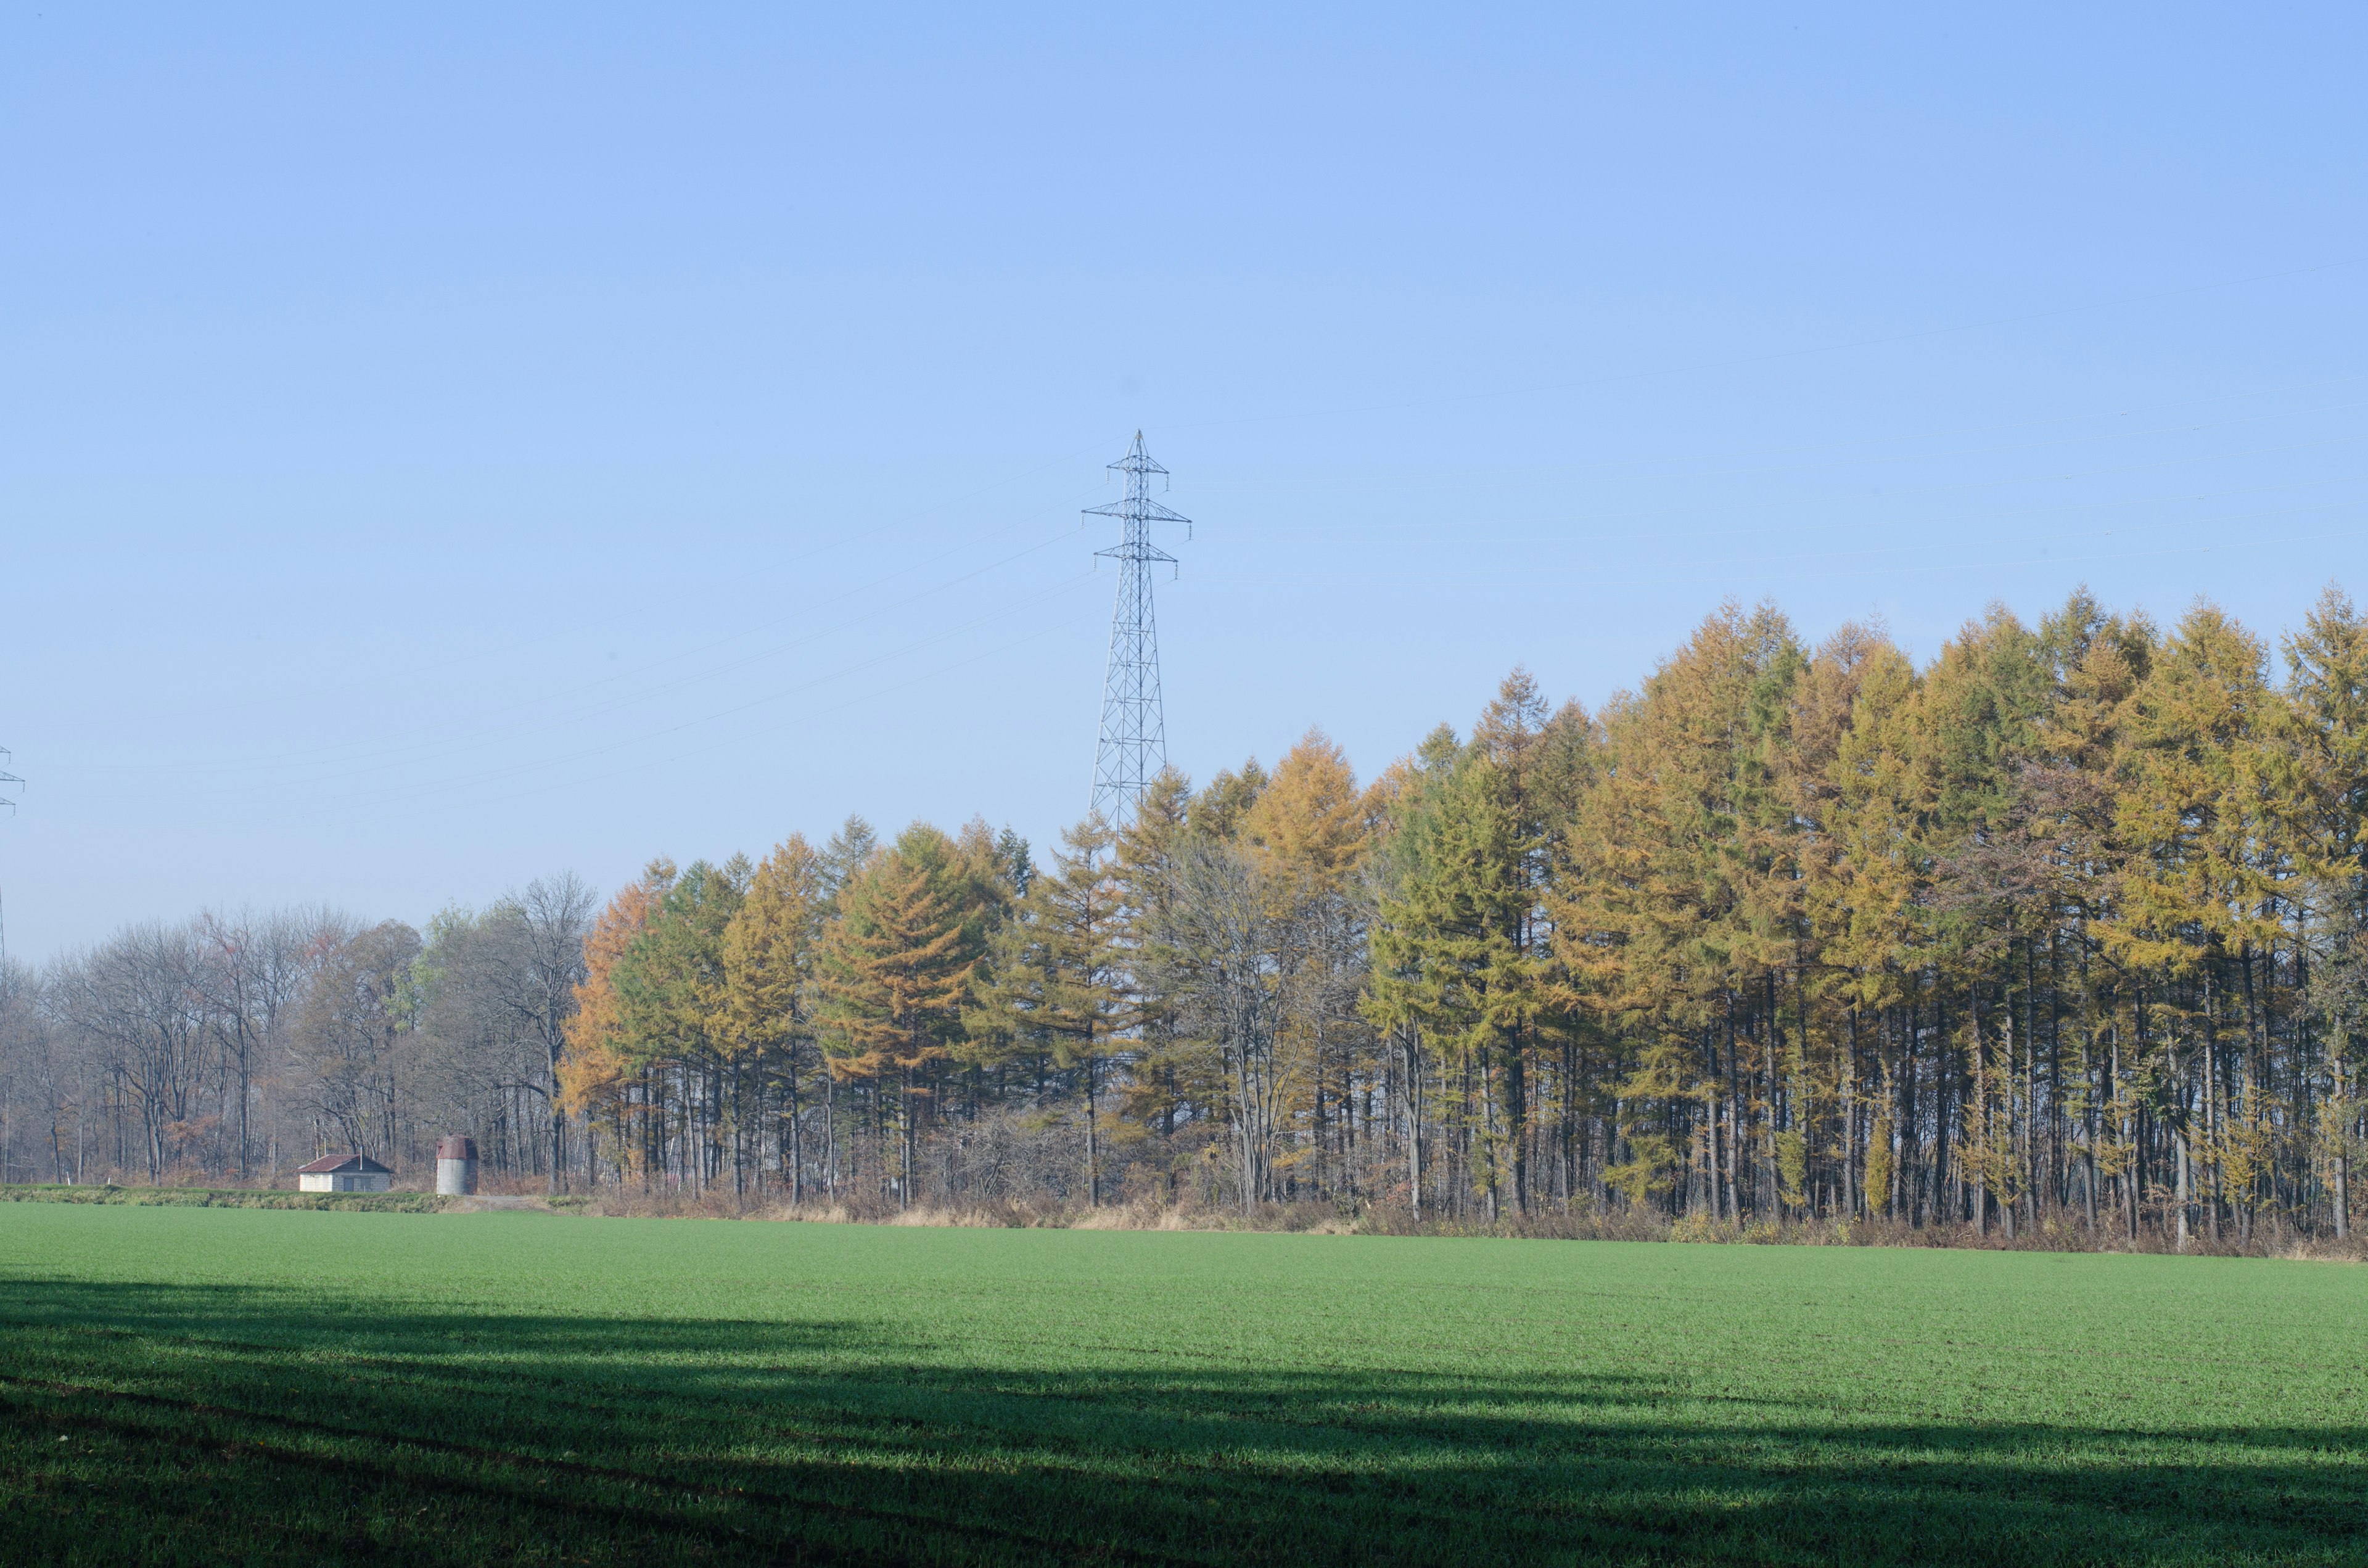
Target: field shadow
(766,1435)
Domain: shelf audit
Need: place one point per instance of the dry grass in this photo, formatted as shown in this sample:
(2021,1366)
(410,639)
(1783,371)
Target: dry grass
(2056,1233)
(2061,1232)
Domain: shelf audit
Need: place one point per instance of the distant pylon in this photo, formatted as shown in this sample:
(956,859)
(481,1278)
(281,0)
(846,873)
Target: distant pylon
(1134,731)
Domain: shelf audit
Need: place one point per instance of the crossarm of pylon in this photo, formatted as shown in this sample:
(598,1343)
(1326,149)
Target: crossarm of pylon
(1149,511)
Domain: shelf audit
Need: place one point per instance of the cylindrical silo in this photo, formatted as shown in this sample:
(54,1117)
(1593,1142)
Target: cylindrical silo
(455,1165)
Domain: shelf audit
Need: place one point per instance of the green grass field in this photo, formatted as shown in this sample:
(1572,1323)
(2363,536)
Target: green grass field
(200,1385)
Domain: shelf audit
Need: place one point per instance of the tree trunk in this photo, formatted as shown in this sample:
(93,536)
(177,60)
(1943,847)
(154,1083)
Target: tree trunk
(1413,1091)
(1516,1120)
(1093,1145)
(1977,1116)
(797,1134)
(2342,1121)
(2178,1154)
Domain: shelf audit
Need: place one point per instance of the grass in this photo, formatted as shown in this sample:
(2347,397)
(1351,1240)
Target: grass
(204,1385)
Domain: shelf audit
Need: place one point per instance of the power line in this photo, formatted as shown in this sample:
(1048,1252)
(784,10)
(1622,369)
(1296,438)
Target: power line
(1133,746)
(7,778)
(1537,389)
(833,677)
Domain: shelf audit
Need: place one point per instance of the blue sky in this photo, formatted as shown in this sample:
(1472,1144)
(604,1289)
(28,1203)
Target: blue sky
(439,449)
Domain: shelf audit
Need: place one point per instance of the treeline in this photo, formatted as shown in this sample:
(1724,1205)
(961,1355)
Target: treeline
(2064,925)
(2066,922)
(233,1048)
(2061,930)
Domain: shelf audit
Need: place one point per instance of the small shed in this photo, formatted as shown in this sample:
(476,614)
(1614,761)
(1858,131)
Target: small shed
(343,1173)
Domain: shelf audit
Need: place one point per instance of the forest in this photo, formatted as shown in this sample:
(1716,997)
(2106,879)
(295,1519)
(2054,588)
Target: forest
(2061,933)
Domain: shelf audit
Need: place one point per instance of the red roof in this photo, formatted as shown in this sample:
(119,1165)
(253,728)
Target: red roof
(347,1164)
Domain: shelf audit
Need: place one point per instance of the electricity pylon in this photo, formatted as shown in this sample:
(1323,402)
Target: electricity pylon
(1134,731)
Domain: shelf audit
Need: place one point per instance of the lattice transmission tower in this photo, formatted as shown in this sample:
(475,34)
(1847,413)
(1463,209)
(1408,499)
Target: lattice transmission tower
(1134,731)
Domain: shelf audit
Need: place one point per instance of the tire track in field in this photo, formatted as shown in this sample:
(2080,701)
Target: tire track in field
(1218,1473)
(511,1460)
